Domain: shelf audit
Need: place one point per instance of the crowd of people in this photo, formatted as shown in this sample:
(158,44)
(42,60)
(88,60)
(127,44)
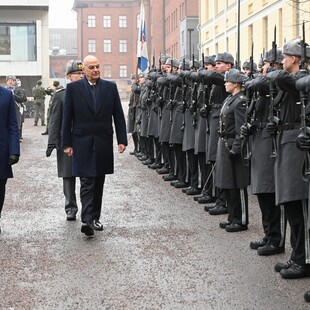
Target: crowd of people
(208,128)
(215,131)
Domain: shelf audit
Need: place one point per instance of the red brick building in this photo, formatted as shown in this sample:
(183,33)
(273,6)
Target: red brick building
(108,29)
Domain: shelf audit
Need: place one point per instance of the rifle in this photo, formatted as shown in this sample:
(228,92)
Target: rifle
(271,97)
(183,94)
(250,101)
(303,100)
(170,103)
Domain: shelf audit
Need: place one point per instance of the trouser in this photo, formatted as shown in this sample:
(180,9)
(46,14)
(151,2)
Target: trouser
(143,145)
(193,168)
(273,219)
(150,147)
(181,162)
(70,196)
(237,204)
(158,150)
(2,193)
(203,167)
(135,141)
(168,154)
(91,197)
(297,215)
(39,112)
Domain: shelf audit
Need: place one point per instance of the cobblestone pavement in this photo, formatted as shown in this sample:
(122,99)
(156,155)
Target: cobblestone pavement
(159,249)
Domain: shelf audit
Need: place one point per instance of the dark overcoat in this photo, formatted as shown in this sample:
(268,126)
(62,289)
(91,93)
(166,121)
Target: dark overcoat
(231,173)
(64,162)
(288,165)
(262,163)
(88,126)
(9,133)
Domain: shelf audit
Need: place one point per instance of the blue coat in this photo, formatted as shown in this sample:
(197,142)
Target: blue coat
(87,126)
(9,133)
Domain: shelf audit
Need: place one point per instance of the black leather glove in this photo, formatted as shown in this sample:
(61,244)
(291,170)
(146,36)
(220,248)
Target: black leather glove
(246,130)
(272,128)
(13,159)
(303,142)
(49,149)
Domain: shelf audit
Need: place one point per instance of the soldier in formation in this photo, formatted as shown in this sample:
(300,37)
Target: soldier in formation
(228,129)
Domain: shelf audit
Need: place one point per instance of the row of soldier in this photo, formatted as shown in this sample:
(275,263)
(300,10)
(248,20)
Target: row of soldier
(238,129)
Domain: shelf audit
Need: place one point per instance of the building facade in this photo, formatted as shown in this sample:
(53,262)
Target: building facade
(108,29)
(258,22)
(24,41)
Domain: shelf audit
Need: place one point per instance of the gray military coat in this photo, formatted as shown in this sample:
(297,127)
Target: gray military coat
(64,162)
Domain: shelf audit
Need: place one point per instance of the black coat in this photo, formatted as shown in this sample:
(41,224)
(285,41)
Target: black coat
(231,172)
(88,128)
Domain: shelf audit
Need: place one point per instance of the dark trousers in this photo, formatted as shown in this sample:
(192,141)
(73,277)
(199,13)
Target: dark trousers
(91,197)
(168,154)
(181,162)
(297,214)
(158,150)
(70,196)
(2,193)
(143,145)
(193,168)
(237,204)
(150,147)
(135,139)
(203,167)
(273,219)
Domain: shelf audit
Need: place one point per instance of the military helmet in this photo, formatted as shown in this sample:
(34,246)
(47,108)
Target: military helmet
(234,76)
(224,57)
(163,58)
(133,76)
(268,56)
(247,65)
(209,60)
(74,66)
(173,62)
(186,65)
(195,65)
(294,48)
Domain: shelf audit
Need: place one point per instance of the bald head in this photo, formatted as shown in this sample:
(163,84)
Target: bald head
(91,68)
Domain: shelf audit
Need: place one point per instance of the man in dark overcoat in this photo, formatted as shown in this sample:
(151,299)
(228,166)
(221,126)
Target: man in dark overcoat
(91,106)
(9,140)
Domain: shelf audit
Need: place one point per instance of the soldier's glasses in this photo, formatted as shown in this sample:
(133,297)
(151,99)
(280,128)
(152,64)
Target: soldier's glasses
(91,67)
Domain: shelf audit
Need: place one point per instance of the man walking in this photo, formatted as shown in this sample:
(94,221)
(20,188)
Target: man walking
(90,106)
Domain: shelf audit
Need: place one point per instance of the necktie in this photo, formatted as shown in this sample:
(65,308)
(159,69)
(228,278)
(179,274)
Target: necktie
(93,93)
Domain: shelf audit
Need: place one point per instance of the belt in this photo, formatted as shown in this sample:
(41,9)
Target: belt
(260,125)
(226,135)
(289,126)
(215,106)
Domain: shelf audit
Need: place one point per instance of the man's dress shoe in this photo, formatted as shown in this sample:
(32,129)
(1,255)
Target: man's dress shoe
(257,244)
(279,266)
(295,271)
(87,229)
(235,227)
(270,249)
(217,210)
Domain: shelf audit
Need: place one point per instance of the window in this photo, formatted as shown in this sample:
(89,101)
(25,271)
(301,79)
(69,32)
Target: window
(91,21)
(107,71)
(18,42)
(107,21)
(122,21)
(91,45)
(123,46)
(107,46)
(123,71)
